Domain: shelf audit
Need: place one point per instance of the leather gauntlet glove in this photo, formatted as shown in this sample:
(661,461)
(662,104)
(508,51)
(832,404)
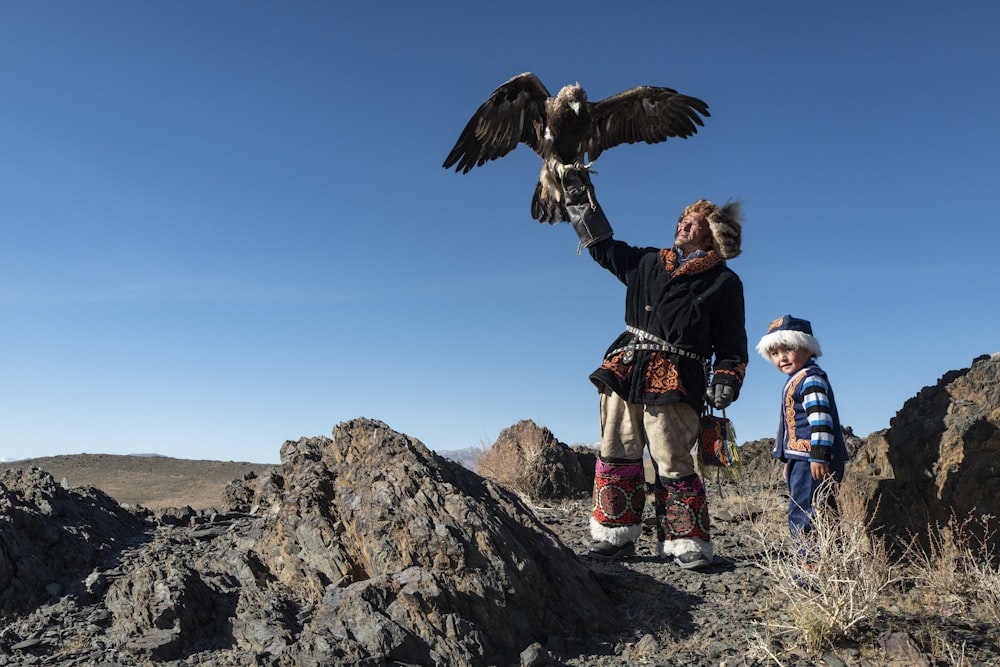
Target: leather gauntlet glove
(582,209)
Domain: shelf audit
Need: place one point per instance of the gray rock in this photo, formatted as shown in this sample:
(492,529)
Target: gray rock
(368,549)
(938,459)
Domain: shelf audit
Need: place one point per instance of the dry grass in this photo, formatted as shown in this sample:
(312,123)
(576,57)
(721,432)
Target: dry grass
(958,576)
(855,579)
(515,467)
(849,574)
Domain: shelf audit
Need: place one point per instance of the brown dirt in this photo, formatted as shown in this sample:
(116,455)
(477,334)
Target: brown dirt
(154,482)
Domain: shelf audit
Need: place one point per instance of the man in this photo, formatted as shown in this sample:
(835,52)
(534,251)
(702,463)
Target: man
(683,306)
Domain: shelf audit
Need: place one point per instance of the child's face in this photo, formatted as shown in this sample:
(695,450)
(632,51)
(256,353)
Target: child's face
(789,361)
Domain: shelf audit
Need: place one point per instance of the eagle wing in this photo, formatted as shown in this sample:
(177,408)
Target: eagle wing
(513,114)
(643,113)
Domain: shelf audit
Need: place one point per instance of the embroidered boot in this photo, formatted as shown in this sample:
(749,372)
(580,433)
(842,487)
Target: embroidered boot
(682,522)
(619,498)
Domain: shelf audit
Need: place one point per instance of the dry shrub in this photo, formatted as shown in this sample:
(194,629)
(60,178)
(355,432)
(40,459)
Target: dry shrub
(958,575)
(856,575)
(850,573)
(515,467)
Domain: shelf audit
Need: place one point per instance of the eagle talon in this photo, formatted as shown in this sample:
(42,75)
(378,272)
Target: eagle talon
(588,186)
(561,168)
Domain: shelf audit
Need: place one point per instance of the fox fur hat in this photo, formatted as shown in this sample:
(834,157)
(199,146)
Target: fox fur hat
(725,224)
(791,332)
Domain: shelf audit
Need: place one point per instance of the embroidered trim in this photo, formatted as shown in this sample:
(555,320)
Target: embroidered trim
(662,375)
(669,258)
(681,510)
(739,372)
(619,493)
(617,365)
(794,444)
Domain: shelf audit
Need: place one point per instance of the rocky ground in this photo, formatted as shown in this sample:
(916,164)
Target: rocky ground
(937,460)
(715,617)
(368,549)
(665,616)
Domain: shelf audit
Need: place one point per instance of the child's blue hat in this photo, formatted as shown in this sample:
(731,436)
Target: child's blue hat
(790,332)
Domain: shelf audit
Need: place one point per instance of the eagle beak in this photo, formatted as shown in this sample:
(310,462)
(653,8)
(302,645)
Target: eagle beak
(575,106)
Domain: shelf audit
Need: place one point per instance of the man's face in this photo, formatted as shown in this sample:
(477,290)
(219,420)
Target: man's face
(693,233)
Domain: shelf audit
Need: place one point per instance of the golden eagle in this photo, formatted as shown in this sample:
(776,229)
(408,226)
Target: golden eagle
(567,128)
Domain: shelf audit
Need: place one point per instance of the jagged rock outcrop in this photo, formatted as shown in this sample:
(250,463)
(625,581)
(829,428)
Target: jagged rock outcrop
(530,460)
(757,466)
(362,549)
(412,557)
(940,456)
(47,531)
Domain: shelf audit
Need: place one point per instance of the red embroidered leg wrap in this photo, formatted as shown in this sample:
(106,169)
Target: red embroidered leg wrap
(681,509)
(619,492)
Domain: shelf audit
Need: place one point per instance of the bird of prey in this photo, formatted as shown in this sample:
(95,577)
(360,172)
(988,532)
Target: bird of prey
(567,130)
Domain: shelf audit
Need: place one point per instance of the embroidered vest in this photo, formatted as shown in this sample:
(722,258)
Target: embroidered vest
(794,439)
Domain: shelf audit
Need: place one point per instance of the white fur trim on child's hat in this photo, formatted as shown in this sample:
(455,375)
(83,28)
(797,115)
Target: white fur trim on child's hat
(791,332)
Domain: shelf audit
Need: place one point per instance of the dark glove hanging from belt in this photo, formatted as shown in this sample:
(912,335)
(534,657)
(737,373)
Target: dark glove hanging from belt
(584,212)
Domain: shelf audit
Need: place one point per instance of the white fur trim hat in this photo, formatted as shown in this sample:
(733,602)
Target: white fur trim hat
(724,223)
(790,332)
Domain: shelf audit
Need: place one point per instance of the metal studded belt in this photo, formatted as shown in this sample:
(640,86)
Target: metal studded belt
(643,340)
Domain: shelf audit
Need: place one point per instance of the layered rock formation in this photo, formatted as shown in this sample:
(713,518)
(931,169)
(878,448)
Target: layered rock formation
(48,532)
(940,456)
(362,549)
(529,459)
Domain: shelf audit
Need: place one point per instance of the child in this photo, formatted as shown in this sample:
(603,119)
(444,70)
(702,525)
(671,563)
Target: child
(810,439)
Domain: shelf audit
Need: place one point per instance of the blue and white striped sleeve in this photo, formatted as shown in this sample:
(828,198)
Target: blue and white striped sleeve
(815,399)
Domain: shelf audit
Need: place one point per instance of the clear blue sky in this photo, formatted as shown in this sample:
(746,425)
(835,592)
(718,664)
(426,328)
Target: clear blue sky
(226,224)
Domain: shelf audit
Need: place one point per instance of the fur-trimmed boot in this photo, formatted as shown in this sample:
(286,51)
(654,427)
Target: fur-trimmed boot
(619,498)
(682,521)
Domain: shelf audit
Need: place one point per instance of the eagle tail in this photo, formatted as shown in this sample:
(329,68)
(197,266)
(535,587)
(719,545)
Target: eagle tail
(546,209)
(547,202)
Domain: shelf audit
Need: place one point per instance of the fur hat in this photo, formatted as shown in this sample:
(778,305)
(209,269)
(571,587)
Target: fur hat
(790,332)
(724,223)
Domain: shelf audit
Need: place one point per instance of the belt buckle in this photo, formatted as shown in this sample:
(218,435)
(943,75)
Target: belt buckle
(629,356)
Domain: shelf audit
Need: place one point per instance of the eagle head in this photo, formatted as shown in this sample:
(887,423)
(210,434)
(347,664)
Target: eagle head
(573,96)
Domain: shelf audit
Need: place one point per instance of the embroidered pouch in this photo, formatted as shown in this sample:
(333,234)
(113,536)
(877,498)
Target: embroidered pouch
(717,442)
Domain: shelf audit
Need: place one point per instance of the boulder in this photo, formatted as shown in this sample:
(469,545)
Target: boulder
(940,456)
(530,460)
(407,556)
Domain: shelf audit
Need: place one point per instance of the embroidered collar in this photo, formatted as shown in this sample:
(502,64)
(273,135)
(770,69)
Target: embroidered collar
(670,259)
(800,374)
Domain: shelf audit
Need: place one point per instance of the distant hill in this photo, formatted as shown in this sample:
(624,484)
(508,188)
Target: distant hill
(155,481)
(468,457)
(150,480)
